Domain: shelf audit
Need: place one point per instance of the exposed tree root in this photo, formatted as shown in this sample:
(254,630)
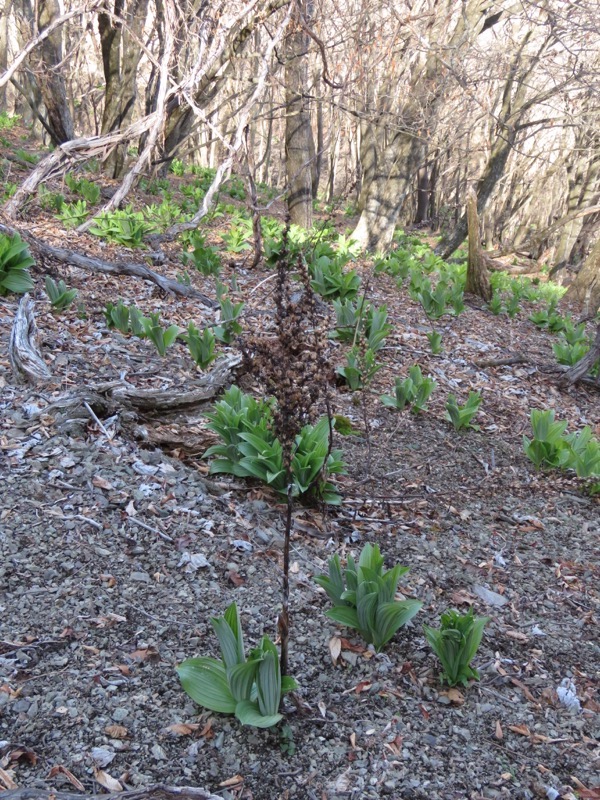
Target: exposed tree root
(158,791)
(23,350)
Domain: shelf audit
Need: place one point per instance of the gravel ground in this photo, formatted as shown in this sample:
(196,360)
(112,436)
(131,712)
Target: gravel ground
(114,557)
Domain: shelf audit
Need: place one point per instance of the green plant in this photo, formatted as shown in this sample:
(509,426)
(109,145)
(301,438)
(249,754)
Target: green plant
(229,326)
(29,158)
(455,643)
(8,121)
(9,189)
(349,318)
(582,453)
(201,346)
(547,444)
(161,338)
(158,186)
(60,297)
(461,416)
(360,367)
(73,214)
(415,391)
(15,260)
(496,305)
(363,596)
(203,258)
(89,190)
(177,167)
(249,448)
(124,318)
(162,216)
(123,226)
(51,201)
(251,688)
(329,279)
(435,342)
(377,327)
(434,301)
(569,354)
(236,239)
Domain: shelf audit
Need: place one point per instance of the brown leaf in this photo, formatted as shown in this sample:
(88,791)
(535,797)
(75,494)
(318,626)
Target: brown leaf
(6,779)
(235,578)
(525,690)
(23,752)
(362,686)
(145,654)
(106,780)
(354,648)
(522,730)
(182,728)
(101,483)
(237,779)
(116,731)
(335,648)
(518,635)
(498,733)
(58,769)
(462,598)
(455,696)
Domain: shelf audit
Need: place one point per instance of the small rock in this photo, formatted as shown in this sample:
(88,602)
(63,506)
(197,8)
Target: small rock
(489,597)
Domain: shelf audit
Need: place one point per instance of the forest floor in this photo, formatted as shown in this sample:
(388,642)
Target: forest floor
(115,554)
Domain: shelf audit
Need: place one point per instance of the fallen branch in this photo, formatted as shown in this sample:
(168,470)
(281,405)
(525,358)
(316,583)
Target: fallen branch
(158,791)
(91,264)
(579,371)
(23,350)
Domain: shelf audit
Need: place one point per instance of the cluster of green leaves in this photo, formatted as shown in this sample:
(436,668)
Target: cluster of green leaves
(229,326)
(59,295)
(360,368)
(126,319)
(202,257)
(29,158)
(249,687)
(162,216)
(363,596)
(15,260)
(435,342)
(461,416)
(89,190)
(8,121)
(73,214)
(234,187)
(237,239)
(161,338)
(444,298)
(50,201)
(200,345)
(330,280)
(455,643)
(360,319)
(177,167)
(123,226)
(550,446)
(249,449)
(158,186)
(413,391)
(398,264)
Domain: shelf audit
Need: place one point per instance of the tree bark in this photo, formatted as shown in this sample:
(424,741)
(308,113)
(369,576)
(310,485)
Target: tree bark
(23,349)
(478,279)
(299,143)
(121,55)
(50,75)
(585,289)
(5,11)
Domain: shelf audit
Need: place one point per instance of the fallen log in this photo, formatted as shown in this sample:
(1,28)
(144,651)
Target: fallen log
(23,350)
(158,791)
(136,270)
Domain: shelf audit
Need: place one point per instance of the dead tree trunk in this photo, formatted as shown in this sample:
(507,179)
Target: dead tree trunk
(585,289)
(585,364)
(23,350)
(478,279)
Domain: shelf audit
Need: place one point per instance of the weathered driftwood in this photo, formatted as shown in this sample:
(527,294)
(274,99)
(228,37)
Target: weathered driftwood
(136,270)
(23,350)
(156,792)
(172,400)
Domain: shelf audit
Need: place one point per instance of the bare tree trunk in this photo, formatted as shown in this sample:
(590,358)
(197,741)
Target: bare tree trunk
(299,143)
(478,279)
(49,74)
(121,56)
(585,289)
(5,10)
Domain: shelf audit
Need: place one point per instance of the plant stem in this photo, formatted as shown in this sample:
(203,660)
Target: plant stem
(283,624)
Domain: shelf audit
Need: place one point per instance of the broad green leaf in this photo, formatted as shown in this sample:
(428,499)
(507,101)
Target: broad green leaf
(205,680)
(268,683)
(344,615)
(241,679)
(392,616)
(249,713)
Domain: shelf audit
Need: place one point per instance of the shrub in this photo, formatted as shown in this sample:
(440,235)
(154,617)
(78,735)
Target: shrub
(363,596)
(60,297)
(455,644)
(201,346)
(251,688)
(547,444)
(330,280)
(15,260)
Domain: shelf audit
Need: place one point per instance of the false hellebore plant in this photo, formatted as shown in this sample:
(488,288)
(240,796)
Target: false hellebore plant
(363,597)
(455,644)
(251,688)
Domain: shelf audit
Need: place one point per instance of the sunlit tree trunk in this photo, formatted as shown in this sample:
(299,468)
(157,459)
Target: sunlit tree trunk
(585,289)
(299,143)
(5,9)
